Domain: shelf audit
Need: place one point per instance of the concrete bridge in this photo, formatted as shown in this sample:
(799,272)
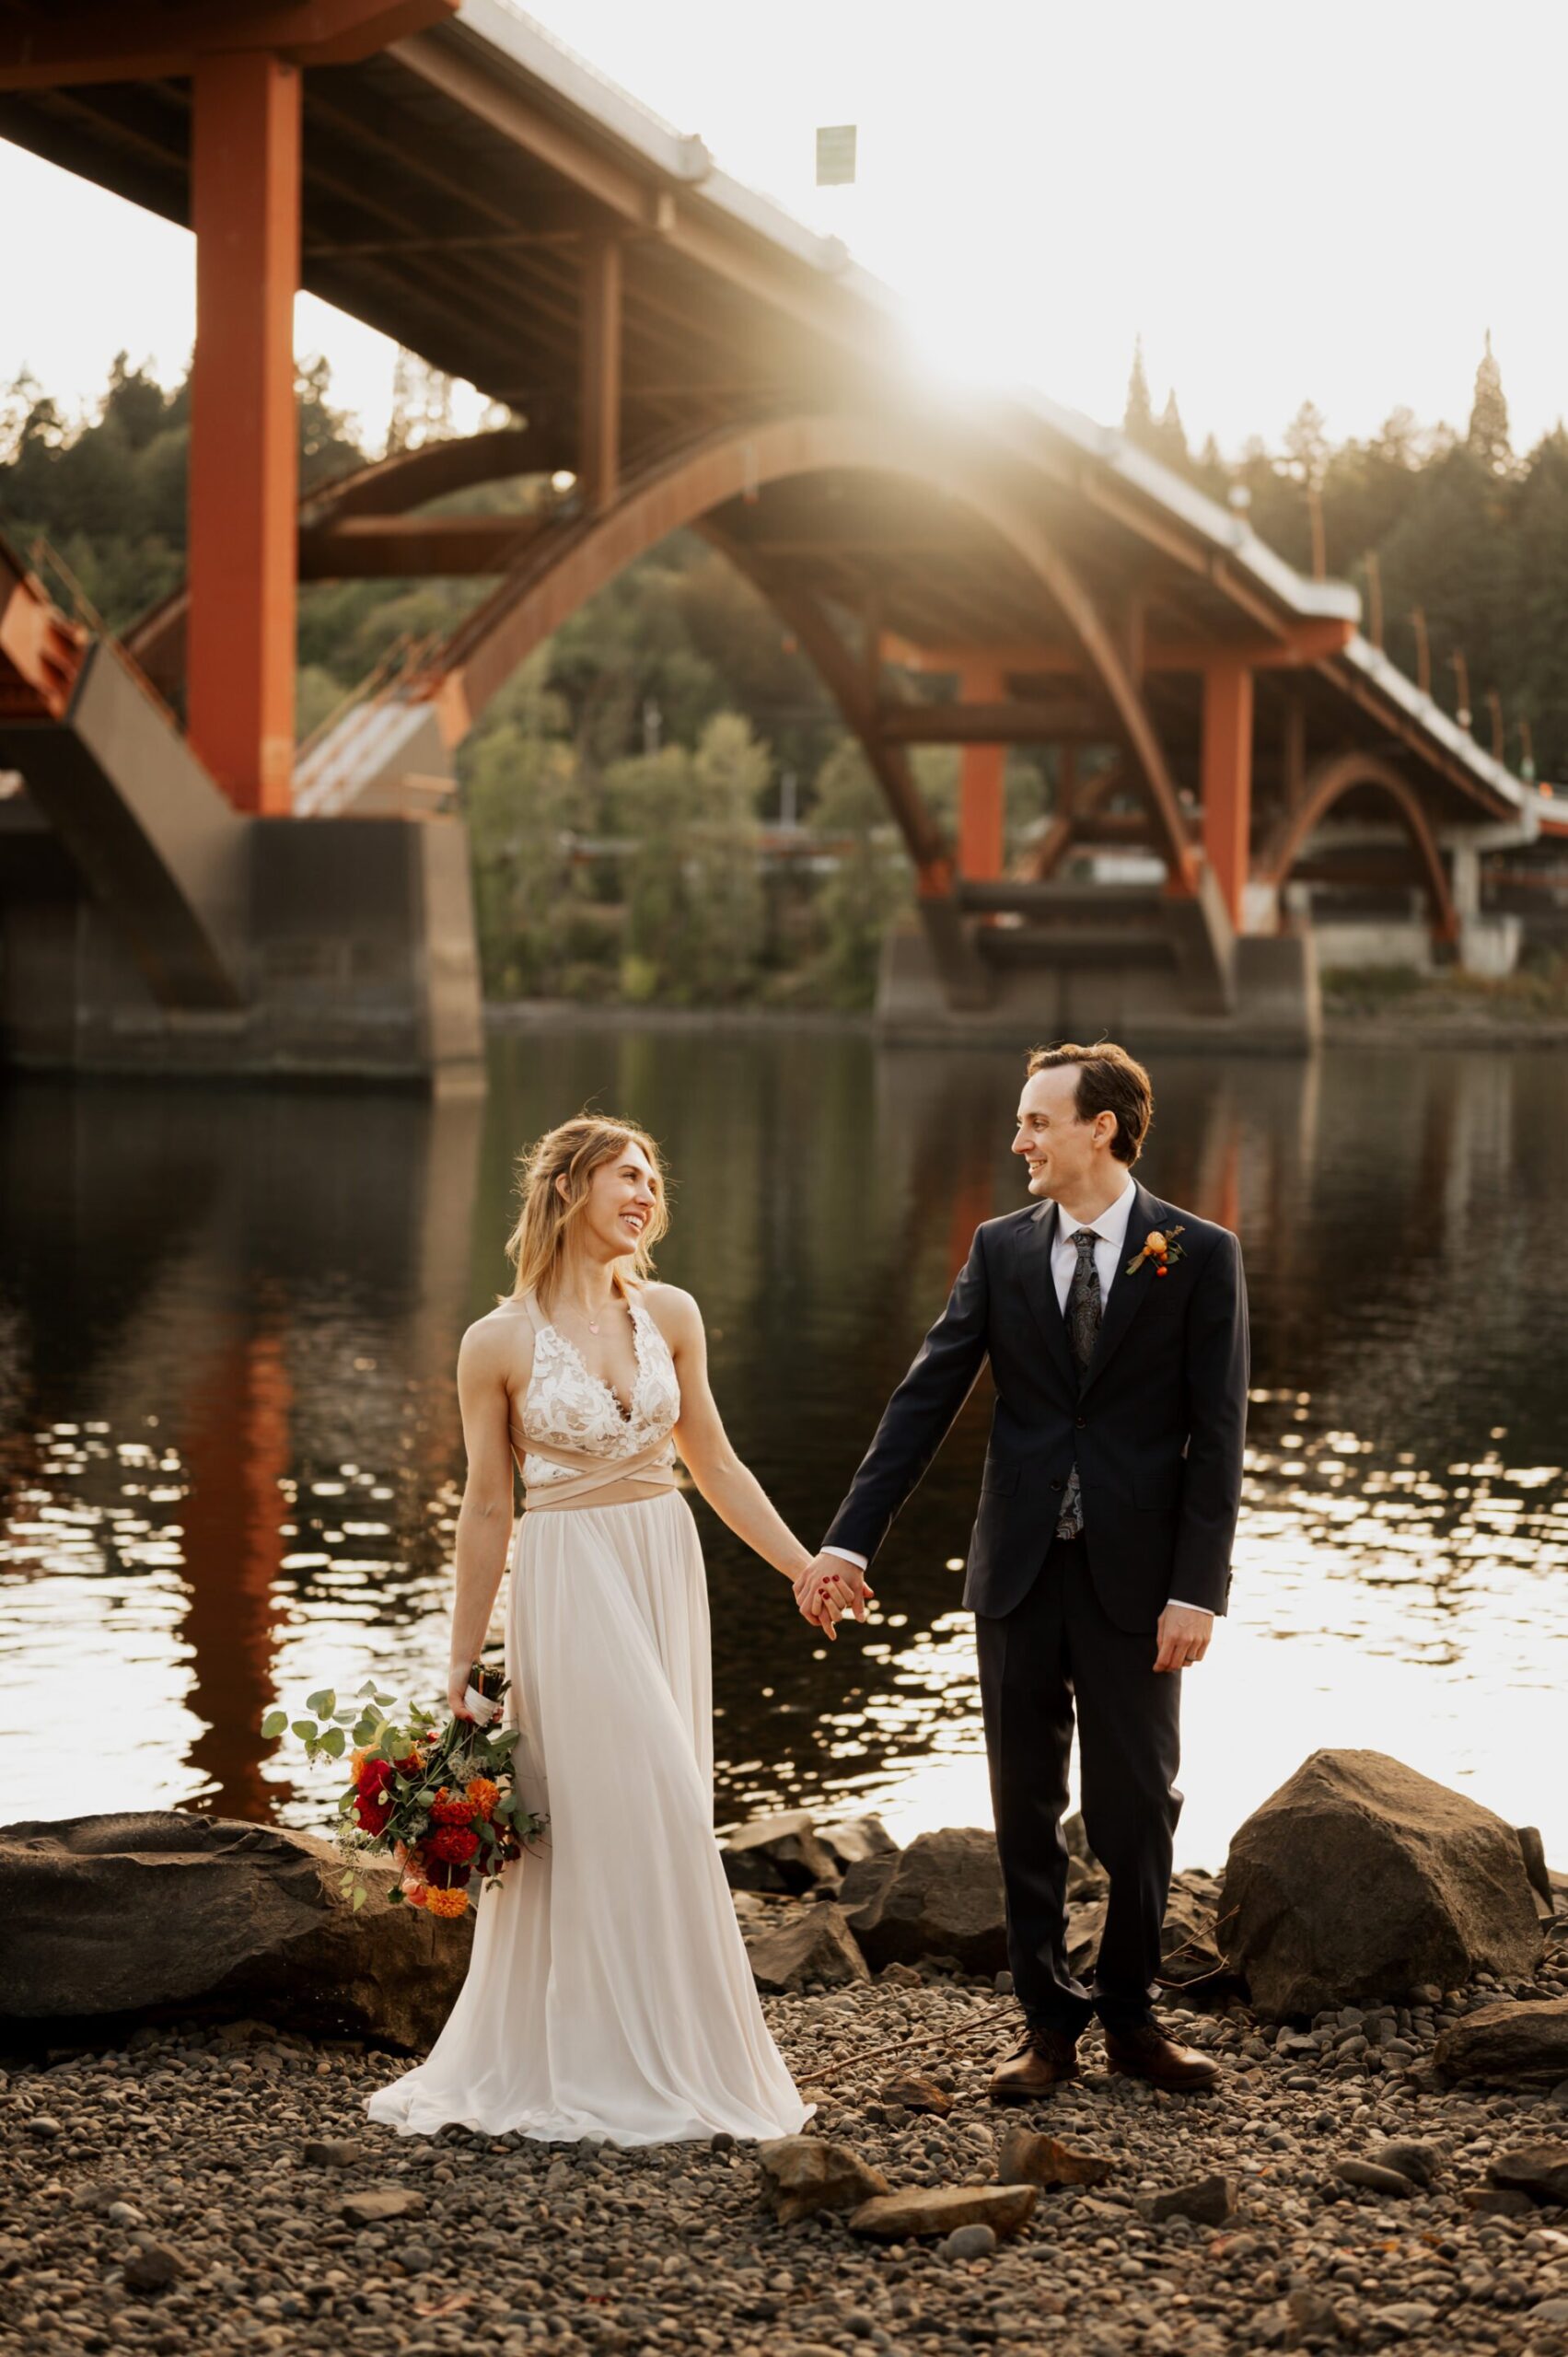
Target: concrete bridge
(678,353)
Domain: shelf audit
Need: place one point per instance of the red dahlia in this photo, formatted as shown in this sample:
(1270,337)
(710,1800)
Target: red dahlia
(455,1843)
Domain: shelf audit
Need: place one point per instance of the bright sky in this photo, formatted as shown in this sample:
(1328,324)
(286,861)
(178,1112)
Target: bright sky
(1286,204)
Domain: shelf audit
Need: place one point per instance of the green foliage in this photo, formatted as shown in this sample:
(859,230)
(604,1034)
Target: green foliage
(619,789)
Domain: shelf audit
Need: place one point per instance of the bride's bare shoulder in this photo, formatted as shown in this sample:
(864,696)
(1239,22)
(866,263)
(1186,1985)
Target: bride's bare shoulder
(673,1311)
(499,1341)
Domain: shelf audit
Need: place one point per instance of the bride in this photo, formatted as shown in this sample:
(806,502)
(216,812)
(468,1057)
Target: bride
(608,1994)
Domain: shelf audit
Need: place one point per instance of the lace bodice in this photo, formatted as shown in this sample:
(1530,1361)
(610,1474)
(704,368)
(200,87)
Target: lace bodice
(569,1406)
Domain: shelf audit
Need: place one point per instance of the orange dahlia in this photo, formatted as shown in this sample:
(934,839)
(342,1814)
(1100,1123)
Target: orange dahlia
(450,1809)
(484,1794)
(446,1902)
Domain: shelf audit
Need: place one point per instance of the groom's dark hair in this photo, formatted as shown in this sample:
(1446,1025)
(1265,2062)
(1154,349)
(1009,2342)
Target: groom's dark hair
(1110,1081)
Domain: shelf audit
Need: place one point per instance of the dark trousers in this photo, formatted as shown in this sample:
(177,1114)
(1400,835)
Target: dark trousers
(1054,1655)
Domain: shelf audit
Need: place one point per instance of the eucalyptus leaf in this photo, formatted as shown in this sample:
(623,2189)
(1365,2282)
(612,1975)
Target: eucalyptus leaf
(358,1899)
(334,1743)
(305,1729)
(323,1704)
(274,1723)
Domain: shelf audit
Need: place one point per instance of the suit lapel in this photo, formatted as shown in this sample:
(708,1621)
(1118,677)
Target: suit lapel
(1128,1292)
(1035,1240)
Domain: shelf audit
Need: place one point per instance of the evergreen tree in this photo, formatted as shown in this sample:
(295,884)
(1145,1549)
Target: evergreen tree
(1488,433)
(1138,417)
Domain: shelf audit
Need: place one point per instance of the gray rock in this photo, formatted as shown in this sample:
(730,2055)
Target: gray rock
(1371,2177)
(968,2242)
(778,1853)
(856,1840)
(124,2213)
(333,2153)
(1493,2201)
(379,2207)
(1208,2201)
(865,1881)
(1405,2316)
(942,1898)
(810,1943)
(1188,1950)
(1076,1834)
(1540,2170)
(1550,2311)
(801,2174)
(1532,1850)
(1418,2161)
(1360,1878)
(1086,1929)
(152,2267)
(1505,2046)
(917,2093)
(158,1912)
(939,2208)
(1027,2158)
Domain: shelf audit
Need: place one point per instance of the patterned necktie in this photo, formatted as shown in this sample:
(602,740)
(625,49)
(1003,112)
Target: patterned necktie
(1084,1307)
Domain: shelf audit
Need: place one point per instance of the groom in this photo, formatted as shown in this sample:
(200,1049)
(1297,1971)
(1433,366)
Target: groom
(1116,1328)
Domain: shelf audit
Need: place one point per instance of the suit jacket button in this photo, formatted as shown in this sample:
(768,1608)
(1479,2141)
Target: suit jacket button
(1080,1422)
(1057,1485)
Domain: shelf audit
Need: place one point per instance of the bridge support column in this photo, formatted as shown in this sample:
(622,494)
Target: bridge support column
(244,465)
(981,786)
(1228,780)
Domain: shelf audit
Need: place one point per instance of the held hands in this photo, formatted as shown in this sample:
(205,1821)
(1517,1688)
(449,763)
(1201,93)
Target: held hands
(1182,1636)
(827,1587)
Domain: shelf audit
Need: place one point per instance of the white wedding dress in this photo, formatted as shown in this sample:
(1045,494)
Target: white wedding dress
(609,1993)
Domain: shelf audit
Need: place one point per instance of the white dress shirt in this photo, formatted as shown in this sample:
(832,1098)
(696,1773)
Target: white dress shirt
(1111,1229)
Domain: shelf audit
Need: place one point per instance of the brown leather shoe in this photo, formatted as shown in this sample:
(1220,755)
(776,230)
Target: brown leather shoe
(1042,2059)
(1145,2052)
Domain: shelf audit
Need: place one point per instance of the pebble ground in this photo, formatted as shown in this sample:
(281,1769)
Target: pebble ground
(177,2163)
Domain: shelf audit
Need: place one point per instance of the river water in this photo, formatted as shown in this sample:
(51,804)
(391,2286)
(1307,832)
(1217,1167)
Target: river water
(230,1457)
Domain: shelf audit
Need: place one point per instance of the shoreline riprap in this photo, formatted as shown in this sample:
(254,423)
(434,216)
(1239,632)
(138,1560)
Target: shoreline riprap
(159,2195)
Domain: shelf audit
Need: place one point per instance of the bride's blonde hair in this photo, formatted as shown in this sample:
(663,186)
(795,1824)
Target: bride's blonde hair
(574,1152)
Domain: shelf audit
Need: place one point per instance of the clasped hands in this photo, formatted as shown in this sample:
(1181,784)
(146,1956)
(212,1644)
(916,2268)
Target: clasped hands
(828,1589)
(830,1586)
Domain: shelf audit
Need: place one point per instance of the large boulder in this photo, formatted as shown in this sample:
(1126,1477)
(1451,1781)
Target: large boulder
(1508,2046)
(1361,1880)
(155,1916)
(942,1898)
(778,1854)
(791,1947)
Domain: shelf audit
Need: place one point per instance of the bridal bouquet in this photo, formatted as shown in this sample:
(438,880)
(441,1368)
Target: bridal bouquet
(441,1803)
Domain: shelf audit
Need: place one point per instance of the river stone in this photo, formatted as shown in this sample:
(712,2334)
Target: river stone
(1532,1850)
(1508,2046)
(1207,2200)
(154,1914)
(1027,2158)
(865,1881)
(917,2093)
(939,2208)
(942,1898)
(1416,2159)
(1373,2176)
(801,2174)
(381,2206)
(778,1852)
(857,1839)
(1540,2170)
(1188,1950)
(1359,1879)
(809,1944)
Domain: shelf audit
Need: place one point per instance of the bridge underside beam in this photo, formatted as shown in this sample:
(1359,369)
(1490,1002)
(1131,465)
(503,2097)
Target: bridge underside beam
(1228,779)
(983,777)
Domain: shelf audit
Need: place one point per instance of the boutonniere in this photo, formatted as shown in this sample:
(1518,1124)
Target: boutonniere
(1160,1247)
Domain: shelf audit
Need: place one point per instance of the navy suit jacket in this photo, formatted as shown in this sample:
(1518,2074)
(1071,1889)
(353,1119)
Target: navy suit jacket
(1156,1425)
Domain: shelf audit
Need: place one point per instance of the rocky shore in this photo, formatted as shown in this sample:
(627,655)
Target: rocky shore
(1370,2175)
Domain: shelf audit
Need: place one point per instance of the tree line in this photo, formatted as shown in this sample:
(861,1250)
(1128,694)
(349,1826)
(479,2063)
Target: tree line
(621,792)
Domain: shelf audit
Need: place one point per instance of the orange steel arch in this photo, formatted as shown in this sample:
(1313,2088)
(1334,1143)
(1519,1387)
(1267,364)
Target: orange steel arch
(389,487)
(563,568)
(1326,785)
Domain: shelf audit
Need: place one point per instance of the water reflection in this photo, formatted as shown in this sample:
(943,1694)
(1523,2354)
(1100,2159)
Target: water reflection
(231,1459)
